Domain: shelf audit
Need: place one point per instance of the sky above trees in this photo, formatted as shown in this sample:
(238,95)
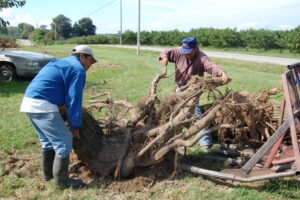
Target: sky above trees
(162,15)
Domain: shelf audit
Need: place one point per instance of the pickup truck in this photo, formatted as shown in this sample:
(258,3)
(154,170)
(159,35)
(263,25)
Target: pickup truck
(15,64)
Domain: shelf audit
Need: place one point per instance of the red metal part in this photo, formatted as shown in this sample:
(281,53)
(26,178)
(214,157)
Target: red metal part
(277,144)
(291,97)
(253,173)
(286,156)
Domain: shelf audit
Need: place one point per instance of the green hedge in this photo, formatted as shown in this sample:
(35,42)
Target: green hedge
(220,38)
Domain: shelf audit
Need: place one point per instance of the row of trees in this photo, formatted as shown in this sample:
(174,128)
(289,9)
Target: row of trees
(83,32)
(220,38)
(61,28)
(22,31)
(225,38)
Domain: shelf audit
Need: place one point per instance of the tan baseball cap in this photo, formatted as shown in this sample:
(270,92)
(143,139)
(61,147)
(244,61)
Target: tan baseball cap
(85,50)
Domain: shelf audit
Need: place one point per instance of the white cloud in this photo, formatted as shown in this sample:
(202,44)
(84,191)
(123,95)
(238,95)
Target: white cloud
(114,26)
(188,14)
(156,25)
(46,22)
(248,25)
(27,18)
(161,5)
(6,13)
(284,27)
(15,19)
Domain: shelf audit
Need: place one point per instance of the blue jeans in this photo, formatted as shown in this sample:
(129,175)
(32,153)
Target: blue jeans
(206,140)
(53,133)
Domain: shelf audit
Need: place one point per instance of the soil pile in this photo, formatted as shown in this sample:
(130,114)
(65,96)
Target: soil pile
(7,43)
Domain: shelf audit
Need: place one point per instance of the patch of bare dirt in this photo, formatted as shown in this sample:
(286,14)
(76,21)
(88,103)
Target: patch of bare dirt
(20,165)
(142,178)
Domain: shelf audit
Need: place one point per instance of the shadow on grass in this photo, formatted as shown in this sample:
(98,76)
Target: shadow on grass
(14,87)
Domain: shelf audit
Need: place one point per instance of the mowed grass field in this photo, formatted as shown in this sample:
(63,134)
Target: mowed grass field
(125,75)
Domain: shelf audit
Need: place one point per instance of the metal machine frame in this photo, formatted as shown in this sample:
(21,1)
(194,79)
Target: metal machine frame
(289,157)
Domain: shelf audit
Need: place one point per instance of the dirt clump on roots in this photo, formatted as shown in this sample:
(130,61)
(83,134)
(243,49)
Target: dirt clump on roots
(246,119)
(142,177)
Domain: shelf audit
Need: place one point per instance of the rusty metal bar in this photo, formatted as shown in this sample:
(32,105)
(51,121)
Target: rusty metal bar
(281,168)
(283,161)
(273,152)
(282,112)
(289,94)
(233,177)
(277,144)
(266,147)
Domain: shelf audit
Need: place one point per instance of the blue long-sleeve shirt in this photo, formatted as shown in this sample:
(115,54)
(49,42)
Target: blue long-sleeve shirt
(61,82)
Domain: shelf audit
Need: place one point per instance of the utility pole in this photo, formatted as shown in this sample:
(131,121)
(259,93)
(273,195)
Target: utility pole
(120,22)
(55,34)
(139,26)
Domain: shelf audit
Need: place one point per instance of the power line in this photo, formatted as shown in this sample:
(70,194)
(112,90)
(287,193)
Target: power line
(100,8)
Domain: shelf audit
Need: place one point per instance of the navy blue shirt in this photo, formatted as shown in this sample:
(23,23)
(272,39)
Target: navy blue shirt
(61,82)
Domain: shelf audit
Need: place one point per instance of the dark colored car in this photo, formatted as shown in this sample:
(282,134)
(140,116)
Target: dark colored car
(15,64)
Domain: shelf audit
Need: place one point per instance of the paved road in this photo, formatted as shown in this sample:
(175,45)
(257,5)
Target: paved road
(25,42)
(236,56)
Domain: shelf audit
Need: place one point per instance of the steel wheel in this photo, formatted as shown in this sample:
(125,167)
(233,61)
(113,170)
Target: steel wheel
(7,73)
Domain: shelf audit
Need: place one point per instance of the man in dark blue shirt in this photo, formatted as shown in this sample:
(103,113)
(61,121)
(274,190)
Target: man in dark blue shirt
(59,84)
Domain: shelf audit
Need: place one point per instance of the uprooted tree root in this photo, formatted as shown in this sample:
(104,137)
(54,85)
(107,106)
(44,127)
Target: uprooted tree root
(246,119)
(142,135)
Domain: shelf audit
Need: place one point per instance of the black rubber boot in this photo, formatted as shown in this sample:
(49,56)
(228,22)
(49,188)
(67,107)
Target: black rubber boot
(47,164)
(61,176)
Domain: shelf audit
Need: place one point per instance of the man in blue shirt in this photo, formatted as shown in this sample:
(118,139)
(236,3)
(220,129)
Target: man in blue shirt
(59,84)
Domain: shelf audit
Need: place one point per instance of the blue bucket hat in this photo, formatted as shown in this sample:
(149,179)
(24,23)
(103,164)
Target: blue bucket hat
(188,45)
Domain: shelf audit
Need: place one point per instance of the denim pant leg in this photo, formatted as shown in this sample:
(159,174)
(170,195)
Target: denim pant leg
(53,132)
(206,140)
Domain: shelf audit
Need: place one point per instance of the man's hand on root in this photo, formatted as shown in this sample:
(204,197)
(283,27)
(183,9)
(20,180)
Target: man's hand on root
(164,61)
(226,79)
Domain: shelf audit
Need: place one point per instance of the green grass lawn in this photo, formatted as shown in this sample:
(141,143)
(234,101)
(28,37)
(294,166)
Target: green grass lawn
(128,76)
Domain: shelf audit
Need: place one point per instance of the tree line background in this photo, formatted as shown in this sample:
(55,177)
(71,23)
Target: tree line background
(84,32)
